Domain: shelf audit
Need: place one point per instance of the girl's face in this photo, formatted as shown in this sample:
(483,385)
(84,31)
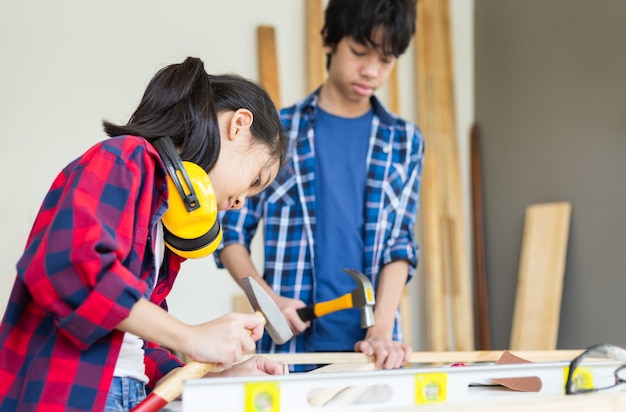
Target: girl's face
(244,168)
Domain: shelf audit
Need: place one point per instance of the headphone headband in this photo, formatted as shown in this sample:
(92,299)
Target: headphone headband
(174,166)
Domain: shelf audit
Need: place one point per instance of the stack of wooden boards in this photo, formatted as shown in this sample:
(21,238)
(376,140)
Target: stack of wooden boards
(448,282)
(451,324)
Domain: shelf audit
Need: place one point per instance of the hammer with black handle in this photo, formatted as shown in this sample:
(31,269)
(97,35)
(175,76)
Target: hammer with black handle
(361,297)
(275,325)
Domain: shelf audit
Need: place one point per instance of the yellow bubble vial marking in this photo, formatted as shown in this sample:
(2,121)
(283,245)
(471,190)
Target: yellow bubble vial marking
(582,379)
(262,397)
(430,388)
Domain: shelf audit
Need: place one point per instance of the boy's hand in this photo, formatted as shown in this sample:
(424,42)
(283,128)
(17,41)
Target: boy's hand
(288,308)
(389,354)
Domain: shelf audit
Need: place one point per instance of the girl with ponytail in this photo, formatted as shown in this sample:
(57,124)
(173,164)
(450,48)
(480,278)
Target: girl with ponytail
(87,323)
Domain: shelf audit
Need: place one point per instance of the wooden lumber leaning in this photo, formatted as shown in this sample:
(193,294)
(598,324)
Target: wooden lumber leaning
(268,62)
(315,58)
(394,91)
(431,202)
(447,274)
(540,279)
(481,295)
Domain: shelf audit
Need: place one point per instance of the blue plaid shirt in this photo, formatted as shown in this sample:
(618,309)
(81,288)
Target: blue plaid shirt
(287,207)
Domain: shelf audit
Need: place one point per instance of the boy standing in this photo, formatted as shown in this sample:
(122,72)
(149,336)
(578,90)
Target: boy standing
(347,198)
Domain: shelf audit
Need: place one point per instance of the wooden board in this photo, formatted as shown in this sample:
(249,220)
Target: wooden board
(358,359)
(241,304)
(315,58)
(394,95)
(481,296)
(540,278)
(447,275)
(268,62)
(406,316)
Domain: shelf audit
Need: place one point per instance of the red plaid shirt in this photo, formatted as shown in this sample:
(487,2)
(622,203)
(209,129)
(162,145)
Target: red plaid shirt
(88,259)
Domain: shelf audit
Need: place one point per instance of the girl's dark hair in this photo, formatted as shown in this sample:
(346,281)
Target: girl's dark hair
(359,18)
(182,102)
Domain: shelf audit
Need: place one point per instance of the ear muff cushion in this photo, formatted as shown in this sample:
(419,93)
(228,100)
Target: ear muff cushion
(195,248)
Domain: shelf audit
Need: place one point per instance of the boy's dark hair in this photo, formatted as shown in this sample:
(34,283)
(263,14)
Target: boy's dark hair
(182,102)
(359,18)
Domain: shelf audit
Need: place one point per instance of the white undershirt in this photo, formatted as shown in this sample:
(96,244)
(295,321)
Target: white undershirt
(130,360)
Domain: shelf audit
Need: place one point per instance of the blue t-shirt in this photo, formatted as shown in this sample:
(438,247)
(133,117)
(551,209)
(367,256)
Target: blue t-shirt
(341,146)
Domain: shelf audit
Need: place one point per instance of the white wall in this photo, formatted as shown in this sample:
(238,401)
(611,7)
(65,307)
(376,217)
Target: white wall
(68,64)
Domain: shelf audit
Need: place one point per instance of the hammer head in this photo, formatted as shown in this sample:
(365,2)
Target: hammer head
(275,323)
(363,297)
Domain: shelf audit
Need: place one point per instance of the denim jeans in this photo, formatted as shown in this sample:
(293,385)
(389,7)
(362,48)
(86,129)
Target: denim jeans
(124,394)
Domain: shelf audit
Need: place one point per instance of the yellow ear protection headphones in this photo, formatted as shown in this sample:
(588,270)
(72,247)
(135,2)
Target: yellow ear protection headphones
(190,225)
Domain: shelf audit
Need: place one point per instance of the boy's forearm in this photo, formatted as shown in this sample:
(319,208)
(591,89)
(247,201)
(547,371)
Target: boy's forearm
(391,282)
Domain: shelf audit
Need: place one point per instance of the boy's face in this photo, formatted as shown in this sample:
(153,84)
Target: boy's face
(356,70)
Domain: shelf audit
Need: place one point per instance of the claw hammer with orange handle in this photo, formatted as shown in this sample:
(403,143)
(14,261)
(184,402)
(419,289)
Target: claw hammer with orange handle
(275,325)
(361,297)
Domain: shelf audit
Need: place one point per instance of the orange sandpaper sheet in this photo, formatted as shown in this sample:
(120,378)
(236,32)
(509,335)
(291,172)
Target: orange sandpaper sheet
(521,384)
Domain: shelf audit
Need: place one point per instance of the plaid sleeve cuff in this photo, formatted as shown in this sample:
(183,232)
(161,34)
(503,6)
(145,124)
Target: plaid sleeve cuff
(159,362)
(402,251)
